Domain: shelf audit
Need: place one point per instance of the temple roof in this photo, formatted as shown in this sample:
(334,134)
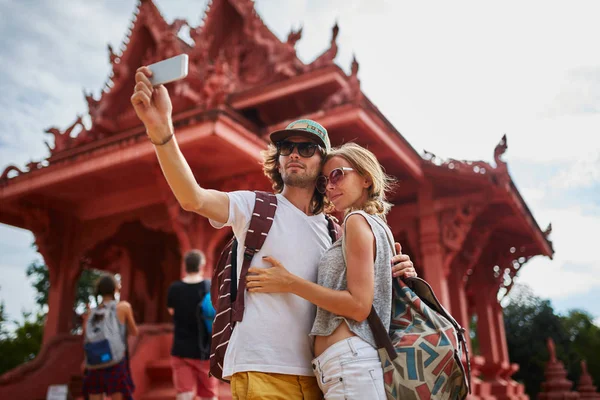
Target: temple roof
(239,68)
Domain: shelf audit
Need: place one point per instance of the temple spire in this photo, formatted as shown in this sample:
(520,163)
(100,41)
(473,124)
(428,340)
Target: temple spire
(556,385)
(586,387)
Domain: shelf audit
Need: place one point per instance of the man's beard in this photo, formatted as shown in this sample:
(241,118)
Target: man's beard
(303,181)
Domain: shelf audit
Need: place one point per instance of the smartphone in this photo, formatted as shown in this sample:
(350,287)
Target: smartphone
(169,70)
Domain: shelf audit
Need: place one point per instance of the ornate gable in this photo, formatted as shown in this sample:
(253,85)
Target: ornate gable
(233,51)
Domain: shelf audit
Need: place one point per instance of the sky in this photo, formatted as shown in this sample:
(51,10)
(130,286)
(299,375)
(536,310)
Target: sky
(452,77)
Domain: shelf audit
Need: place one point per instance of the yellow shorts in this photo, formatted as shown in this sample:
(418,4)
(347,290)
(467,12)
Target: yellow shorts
(260,385)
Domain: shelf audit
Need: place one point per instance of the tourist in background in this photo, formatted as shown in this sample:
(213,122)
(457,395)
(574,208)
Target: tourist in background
(188,301)
(105,334)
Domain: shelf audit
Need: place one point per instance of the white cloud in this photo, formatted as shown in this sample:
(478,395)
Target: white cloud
(576,265)
(584,173)
(580,94)
(16,291)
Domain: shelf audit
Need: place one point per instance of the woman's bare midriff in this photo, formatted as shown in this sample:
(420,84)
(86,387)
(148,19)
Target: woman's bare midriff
(322,343)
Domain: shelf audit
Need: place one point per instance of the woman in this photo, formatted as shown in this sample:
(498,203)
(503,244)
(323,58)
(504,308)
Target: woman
(114,380)
(354,275)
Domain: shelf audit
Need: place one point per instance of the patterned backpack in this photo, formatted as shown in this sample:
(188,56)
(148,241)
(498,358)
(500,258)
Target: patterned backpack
(421,355)
(226,296)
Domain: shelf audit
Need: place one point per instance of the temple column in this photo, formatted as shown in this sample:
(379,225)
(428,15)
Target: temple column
(61,300)
(57,239)
(59,246)
(486,329)
(432,252)
(458,302)
(501,335)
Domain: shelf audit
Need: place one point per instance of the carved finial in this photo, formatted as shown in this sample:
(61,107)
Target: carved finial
(32,165)
(548,230)
(584,369)
(500,150)
(354,67)
(111,54)
(334,32)
(63,140)
(294,36)
(427,155)
(8,170)
(178,24)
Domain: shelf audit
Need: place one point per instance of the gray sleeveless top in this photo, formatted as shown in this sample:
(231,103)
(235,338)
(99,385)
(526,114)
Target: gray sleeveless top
(332,274)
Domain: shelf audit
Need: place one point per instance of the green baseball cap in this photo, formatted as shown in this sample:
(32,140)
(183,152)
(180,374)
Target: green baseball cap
(305,128)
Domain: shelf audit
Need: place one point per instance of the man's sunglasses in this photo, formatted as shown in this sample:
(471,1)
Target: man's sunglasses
(305,149)
(335,176)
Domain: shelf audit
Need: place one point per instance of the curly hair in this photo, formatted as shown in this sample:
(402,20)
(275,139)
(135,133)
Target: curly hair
(366,165)
(271,170)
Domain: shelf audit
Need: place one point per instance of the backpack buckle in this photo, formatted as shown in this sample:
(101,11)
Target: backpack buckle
(249,253)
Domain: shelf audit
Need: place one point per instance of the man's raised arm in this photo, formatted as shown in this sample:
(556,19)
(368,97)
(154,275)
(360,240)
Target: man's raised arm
(153,107)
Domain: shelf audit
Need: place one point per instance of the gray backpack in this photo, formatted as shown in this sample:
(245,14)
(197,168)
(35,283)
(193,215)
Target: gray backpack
(104,341)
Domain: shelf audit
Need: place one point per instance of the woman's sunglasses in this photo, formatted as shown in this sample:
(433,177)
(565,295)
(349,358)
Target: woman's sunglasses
(305,149)
(335,176)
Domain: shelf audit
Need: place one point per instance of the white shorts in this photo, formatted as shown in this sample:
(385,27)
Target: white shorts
(350,369)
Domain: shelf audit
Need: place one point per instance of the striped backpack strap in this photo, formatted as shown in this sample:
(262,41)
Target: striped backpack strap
(260,225)
(227,296)
(334,229)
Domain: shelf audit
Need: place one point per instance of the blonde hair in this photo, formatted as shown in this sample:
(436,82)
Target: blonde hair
(366,165)
(271,170)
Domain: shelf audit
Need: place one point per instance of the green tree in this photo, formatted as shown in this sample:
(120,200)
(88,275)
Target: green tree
(21,344)
(38,273)
(584,338)
(20,341)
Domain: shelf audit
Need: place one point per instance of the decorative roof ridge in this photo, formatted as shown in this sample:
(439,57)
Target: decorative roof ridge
(125,138)
(499,175)
(471,166)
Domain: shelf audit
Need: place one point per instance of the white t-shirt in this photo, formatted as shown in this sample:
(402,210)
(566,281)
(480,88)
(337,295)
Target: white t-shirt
(274,333)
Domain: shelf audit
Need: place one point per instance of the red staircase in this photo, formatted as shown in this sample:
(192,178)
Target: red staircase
(161,387)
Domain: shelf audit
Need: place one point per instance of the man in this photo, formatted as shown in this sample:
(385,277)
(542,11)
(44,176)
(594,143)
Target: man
(189,353)
(269,350)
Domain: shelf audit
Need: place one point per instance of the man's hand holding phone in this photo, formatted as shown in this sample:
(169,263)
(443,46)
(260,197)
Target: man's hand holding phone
(151,100)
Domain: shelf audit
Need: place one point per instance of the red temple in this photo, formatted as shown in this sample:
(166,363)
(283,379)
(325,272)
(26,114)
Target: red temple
(100,200)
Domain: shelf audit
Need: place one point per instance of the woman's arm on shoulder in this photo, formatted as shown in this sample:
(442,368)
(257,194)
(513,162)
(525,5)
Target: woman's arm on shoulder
(129,320)
(356,301)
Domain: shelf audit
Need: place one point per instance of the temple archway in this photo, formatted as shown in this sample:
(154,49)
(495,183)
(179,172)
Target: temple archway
(147,260)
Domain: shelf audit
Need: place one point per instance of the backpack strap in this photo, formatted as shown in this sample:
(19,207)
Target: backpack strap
(334,229)
(260,224)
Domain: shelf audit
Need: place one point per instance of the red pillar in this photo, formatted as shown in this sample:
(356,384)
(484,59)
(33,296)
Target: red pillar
(61,299)
(501,335)
(432,253)
(458,301)
(62,256)
(486,330)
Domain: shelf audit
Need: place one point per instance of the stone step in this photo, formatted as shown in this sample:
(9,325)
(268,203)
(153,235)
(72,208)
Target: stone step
(163,392)
(159,371)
